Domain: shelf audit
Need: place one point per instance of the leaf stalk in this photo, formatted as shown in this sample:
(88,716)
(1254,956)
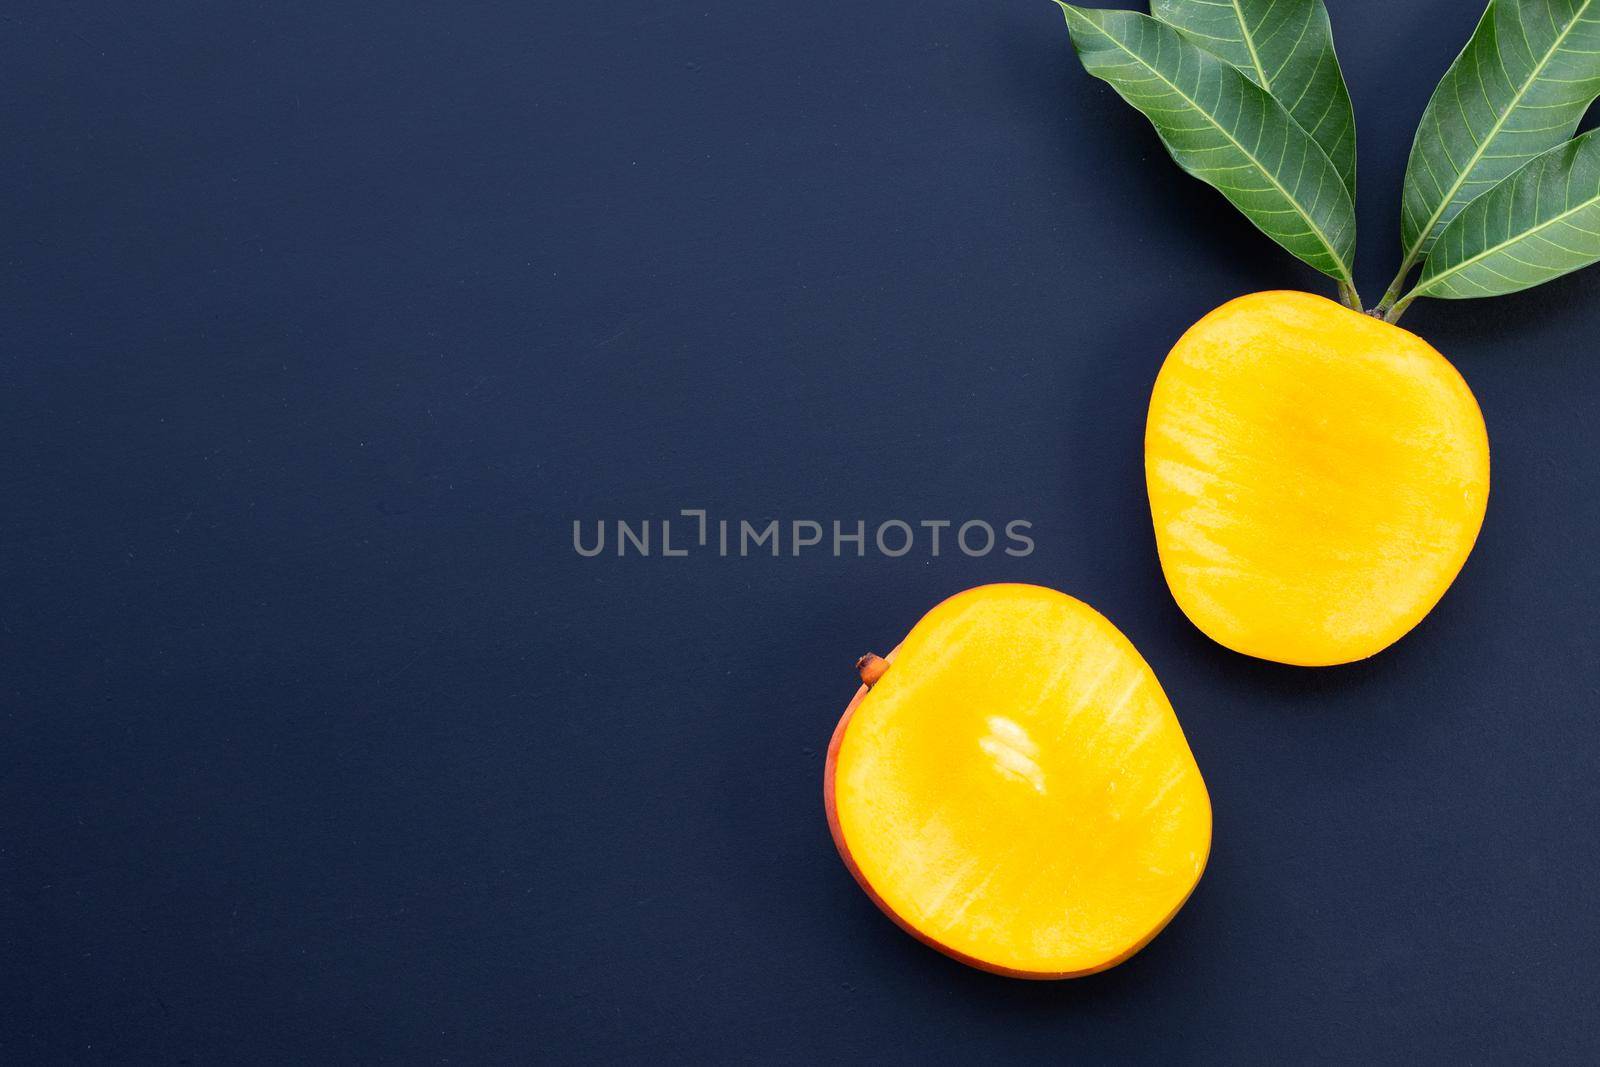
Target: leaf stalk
(1397,286)
(1396,308)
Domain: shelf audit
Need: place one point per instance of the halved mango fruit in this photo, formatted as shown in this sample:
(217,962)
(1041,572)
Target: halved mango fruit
(1012,787)
(1317,477)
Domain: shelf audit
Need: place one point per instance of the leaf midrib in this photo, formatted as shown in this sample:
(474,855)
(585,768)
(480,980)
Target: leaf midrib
(1250,43)
(1494,131)
(1521,235)
(1344,269)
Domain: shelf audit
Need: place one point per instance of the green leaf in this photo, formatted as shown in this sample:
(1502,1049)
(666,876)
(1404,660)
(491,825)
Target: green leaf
(1225,130)
(1286,47)
(1540,223)
(1519,87)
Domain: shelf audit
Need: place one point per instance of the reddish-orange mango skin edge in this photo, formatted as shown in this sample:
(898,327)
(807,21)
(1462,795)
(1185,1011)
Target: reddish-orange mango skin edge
(955,954)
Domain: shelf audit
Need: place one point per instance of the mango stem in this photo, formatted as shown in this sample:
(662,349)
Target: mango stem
(871,667)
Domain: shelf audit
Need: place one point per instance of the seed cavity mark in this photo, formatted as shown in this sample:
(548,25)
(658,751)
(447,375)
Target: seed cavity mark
(1013,751)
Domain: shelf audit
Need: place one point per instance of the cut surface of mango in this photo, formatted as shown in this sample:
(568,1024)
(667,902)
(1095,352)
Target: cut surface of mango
(1016,790)
(1317,477)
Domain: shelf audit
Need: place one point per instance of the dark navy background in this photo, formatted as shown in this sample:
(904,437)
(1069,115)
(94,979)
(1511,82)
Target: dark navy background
(321,322)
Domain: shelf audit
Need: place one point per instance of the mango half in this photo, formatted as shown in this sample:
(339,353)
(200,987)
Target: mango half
(1012,787)
(1317,478)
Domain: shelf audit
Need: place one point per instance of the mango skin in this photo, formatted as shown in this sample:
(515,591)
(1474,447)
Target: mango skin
(1317,478)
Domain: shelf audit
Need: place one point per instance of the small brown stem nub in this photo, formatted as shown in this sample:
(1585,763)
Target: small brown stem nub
(871,668)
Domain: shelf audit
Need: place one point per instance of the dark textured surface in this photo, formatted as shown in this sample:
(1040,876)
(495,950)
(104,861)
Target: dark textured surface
(322,322)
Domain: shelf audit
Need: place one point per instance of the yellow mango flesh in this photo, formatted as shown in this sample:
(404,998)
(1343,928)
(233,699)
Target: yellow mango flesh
(1317,478)
(1016,789)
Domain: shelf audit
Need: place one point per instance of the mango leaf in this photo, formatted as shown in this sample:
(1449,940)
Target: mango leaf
(1286,47)
(1225,130)
(1540,223)
(1519,88)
